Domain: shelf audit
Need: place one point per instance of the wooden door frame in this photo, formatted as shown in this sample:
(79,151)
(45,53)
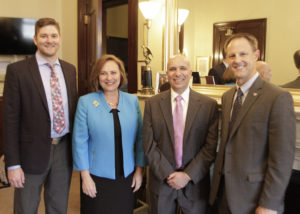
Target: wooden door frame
(132,45)
(83,37)
(261,24)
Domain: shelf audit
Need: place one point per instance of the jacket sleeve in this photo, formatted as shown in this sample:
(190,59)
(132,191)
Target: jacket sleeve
(199,167)
(80,138)
(12,117)
(140,159)
(158,163)
(282,135)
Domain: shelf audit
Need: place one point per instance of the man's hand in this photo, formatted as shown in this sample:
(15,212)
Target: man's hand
(178,180)
(262,210)
(16,177)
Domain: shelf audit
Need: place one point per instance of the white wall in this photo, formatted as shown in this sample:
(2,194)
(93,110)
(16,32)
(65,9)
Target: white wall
(283,32)
(63,11)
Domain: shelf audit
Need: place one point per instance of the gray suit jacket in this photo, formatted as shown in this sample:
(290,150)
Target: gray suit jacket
(293,84)
(199,143)
(258,153)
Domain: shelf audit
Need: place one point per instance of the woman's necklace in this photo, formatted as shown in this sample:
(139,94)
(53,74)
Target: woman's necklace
(114,103)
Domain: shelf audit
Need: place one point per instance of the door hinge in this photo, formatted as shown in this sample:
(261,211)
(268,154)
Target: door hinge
(86,19)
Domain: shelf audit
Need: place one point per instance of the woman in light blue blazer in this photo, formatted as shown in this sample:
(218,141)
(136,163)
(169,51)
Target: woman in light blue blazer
(107,141)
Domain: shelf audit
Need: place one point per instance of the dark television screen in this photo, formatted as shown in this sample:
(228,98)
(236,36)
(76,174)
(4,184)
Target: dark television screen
(16,36)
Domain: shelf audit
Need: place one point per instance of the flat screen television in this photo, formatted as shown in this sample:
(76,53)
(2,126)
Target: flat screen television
(16,36)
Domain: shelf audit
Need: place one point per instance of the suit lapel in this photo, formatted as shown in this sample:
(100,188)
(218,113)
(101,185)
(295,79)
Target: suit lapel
(193,107)
(226,109)
(166,108)
(253,94)
(37,79)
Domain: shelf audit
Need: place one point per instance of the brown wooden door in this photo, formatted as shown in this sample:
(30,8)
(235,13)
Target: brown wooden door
(223,30)
(91,32)
(89,37)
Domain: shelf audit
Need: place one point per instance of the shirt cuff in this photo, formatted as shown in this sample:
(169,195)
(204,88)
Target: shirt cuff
(13,167)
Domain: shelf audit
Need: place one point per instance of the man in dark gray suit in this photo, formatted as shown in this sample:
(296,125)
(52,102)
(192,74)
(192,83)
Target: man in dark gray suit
(218,70)
(179,157)
(39,105)
(296,82)
(292,197)
(256,153)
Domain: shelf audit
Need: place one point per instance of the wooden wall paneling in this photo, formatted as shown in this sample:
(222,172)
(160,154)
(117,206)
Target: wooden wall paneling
(89,39)
(132,45)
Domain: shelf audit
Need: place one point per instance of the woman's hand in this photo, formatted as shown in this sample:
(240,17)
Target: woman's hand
(137,178)
(88,184)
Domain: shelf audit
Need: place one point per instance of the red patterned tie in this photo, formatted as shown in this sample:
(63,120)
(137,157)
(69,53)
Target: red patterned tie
(178,131)
(57,104)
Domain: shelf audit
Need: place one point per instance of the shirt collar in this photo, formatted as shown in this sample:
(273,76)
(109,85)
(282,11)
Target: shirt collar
(184,95)
(247,85)
(226,65)
(42,61)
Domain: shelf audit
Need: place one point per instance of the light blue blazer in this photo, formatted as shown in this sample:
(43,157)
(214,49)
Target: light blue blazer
(93,135)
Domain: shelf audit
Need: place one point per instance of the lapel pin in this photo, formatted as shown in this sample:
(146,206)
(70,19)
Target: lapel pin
(254,94)
(95,103)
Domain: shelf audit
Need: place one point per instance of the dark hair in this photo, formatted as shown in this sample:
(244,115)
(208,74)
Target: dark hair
(297,58)
(94,84)
(45,22)
(249,37)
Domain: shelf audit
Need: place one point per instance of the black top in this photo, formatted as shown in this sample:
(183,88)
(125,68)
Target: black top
(118,145)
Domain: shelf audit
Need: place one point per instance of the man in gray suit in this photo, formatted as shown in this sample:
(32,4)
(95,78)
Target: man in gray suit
(179,147)
(295,83)
(292,197)
(256,153)
(218,71)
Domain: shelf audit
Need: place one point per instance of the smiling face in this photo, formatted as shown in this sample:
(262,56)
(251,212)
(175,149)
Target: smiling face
(110,76)
(242,59)
(179,73)
(48,41)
